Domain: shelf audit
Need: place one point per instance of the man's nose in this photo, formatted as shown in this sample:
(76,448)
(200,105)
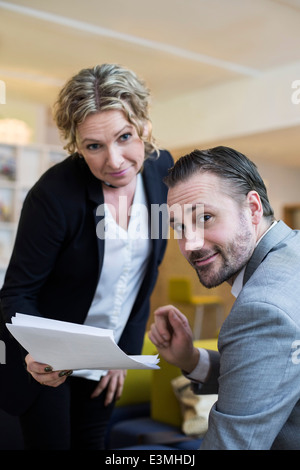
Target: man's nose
(193,245)
(194,239)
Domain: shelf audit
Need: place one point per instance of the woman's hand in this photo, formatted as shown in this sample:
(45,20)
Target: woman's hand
(114,382)
(44,374)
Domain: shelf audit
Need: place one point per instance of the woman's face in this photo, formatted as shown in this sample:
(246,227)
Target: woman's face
(111,147)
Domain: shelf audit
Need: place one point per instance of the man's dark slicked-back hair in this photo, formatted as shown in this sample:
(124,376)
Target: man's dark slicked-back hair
(228,164)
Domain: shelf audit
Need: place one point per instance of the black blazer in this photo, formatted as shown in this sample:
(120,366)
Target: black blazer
(57,260)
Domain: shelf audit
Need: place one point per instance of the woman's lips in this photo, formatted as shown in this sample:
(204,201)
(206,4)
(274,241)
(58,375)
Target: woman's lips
(117,174)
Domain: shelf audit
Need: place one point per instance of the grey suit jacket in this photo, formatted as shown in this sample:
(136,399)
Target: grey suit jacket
(258,364)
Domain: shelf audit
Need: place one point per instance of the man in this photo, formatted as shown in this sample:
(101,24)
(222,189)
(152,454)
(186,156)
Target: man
(256,372)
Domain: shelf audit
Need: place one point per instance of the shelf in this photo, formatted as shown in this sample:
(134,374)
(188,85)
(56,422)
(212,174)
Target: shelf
(20,167)
(7,163)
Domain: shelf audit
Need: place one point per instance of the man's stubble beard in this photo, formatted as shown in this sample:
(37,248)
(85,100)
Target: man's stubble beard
(237,255)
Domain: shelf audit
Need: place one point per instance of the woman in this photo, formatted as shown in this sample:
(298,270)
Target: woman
(78,255)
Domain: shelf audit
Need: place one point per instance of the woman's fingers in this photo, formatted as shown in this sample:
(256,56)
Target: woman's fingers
(113,383)
(44,374)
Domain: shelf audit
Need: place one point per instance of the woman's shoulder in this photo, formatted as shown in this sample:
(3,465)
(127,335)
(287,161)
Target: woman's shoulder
(63,181)
(163,160)
(67,172)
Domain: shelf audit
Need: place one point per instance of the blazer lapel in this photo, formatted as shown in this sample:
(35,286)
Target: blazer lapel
(96,198)
(154,197)
(272,238)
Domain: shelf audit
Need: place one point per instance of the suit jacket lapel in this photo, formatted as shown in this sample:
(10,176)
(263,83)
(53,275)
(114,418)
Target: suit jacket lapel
(272,238)
(151,179)
(154,196)
(96,198)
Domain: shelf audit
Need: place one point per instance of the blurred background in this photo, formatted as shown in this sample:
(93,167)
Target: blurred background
(220,71)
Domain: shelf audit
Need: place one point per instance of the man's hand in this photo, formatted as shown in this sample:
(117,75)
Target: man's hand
(172,336)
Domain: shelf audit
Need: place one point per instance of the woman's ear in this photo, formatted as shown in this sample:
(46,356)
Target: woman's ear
(147,130)
(255,206)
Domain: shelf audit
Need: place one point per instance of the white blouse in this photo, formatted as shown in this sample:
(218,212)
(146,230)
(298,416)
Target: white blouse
(124,266)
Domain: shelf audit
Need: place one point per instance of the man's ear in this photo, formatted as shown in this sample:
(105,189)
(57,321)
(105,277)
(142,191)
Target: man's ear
(255,206)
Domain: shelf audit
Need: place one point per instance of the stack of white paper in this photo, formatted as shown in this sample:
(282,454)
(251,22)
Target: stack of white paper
(69,346)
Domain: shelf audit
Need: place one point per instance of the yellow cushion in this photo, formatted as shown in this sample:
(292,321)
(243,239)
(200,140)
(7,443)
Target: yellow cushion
(164,405)
(137,387)
(211,344)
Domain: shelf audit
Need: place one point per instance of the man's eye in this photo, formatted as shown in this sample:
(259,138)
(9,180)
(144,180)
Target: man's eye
(179,228)
(203,218)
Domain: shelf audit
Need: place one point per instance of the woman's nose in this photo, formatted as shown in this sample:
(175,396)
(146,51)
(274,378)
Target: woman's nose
(114,158)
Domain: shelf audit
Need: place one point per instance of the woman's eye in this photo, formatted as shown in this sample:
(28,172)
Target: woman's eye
(125,137)
(93,146)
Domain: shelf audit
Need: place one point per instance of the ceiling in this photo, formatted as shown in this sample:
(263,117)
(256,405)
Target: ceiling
(177,46)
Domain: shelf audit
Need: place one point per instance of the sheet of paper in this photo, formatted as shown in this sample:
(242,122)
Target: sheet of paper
(65,345)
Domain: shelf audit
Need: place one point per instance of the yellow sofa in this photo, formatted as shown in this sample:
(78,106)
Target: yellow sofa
(154,386)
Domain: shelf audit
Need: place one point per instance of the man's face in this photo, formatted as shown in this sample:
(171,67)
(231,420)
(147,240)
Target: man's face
(216,236)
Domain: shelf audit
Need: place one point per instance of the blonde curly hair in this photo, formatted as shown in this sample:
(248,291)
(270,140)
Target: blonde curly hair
(102,88)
